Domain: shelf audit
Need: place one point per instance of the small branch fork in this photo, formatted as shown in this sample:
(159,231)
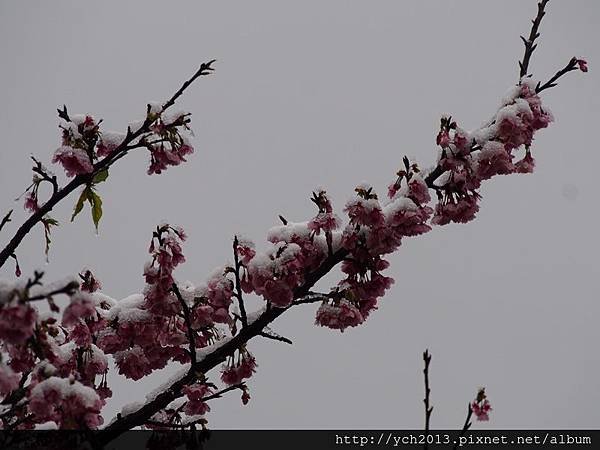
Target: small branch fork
(428,408)
(80,180)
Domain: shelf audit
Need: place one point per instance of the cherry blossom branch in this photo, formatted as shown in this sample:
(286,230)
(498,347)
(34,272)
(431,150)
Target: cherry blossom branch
(217,356)
(428,409)
(530,44)
(188,323)
(84,179)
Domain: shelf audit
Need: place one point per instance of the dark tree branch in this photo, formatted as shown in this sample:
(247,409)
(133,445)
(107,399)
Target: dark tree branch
(224,391)
(275,337)
(466,426)
(530,44)
(205,69)
(5,219)
(428,408)
(68,289)
(572,65)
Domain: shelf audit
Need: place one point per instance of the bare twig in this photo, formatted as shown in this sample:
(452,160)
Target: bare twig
(68,289)
(466,426)
(530,44)
(276,337)
(572,65)
(5,219)
(219,394)
(428,408)
(205,69)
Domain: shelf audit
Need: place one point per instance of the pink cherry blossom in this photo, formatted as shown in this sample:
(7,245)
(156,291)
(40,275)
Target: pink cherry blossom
(526,165)
(75,161)
(237,370)
(582,63)
(81,307)
(481,410)
(338,316)
(195,405)
(17,322)
(31,202)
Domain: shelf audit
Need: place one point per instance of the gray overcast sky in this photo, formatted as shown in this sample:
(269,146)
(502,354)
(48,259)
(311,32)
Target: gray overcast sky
(314,93)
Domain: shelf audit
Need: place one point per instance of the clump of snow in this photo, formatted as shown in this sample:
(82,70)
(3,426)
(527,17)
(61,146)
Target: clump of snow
(129,310)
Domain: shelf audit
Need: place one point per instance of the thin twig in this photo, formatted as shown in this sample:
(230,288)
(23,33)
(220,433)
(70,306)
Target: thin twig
(572,65)
(6,219)
(530,44)
(428,408)
(466,426)
(188,323)
(205,69)
(276,337)
(219,394)
(68,289)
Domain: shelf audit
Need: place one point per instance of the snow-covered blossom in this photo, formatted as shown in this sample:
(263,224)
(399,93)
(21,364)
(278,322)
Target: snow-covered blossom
(17,321)
(81,307)
(339,315)
(75,161)
(67,402)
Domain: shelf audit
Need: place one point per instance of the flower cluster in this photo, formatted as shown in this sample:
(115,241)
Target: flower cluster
(166,136)
(338,315)
(79,137)
(168,142)
(196,405)
(238,368)
(481,406)
(467,159)
(67,402)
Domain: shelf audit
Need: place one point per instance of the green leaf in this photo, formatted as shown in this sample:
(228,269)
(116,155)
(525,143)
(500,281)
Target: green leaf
(79,205)
(100,176)
(96,204)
